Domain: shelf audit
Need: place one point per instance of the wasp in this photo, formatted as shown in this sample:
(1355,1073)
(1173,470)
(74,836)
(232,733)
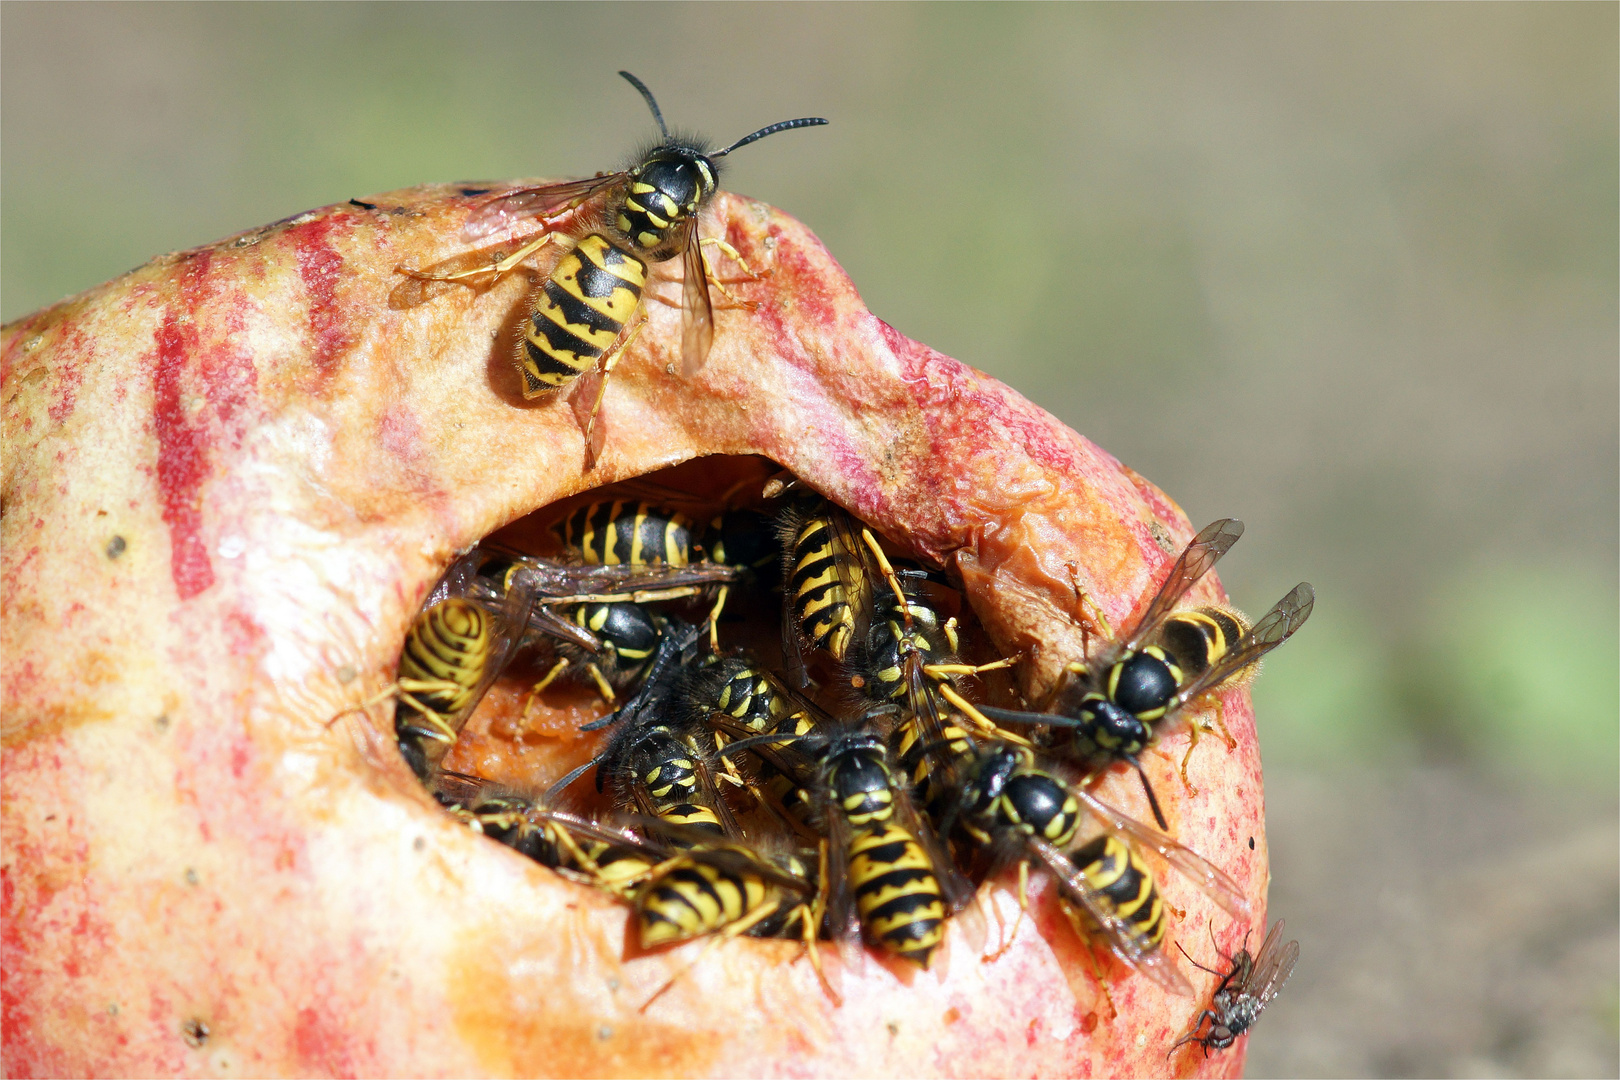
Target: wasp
(889,877)
(828,584)
(1245,989)
(1116,705)
(657,763)
(620,223)
(740,699)
(1018,806)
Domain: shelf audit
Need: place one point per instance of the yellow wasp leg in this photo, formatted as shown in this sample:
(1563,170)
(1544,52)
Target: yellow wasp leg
(714,618)
(495,269)
(888,571)
(807,924)
(640,596)
(603,687)
(534,692)
(938,670)
(1023,909)
(978,718)
(735,256)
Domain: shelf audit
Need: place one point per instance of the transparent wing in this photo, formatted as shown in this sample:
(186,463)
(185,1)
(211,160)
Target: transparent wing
(503,210)
(1273,966)
(697,310)
(554,582)
(475,268)
(1278,625)
(855,570)
(1200,557)
(1184,860)
(1116,932)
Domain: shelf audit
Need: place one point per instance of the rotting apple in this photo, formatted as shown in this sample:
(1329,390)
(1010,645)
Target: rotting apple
(232,475)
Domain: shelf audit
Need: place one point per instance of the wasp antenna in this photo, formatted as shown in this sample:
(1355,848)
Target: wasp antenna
(651,101)
(557,789)
(784,125)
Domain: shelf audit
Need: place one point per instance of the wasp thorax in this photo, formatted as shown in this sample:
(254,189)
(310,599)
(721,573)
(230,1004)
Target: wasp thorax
(1143,684)
(663,196)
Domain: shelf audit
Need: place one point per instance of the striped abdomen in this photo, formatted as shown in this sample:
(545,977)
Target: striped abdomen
(696,898)
(579,313)
(1124,884)
(822,605)
(899,898)
(627,533)
(450,642)
(917,758)
(1200,637)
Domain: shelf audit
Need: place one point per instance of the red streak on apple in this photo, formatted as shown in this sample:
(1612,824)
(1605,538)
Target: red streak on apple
(231,477)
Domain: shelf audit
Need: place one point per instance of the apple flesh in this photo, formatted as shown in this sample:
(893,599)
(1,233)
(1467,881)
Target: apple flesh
(231,477)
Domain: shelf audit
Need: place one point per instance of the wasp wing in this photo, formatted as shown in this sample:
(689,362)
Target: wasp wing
(503,210)
(1209,878)
(1116,932)
(697,310)
(1200,557)
(1278,625)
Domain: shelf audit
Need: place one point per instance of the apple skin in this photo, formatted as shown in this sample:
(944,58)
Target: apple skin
(231,477)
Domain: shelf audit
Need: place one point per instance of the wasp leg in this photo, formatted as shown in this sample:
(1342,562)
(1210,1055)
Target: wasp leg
(603,687)
(714,618)
(735,256)
(1195,730)
(546,680)
(888,571)
(805,913)
(1023,909)
(610,360)
(495,269)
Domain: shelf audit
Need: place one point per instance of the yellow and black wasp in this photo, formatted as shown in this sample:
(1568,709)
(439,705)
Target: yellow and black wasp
(739,699)
(1019,807)
(620,222)
(827,591)
(657,761)
(1243,993)
(889,878)
(1117,704)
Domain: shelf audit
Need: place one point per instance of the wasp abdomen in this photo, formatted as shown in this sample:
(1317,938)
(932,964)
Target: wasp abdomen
(693,900)
(896,891)
(1201,637)
(625,533)
(821,603)
(449,642)
(1123,881)
(580,312)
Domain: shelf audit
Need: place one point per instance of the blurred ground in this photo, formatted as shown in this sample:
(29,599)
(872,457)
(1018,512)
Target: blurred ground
(1346,272)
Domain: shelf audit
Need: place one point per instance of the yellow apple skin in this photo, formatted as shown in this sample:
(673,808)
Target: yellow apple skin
(230,478)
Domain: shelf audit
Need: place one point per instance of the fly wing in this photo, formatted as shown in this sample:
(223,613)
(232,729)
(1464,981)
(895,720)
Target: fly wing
(1209,879)
(1273,966)
(1200,557)
(697,310)
(1115,932)
(504,210)
(1278,625)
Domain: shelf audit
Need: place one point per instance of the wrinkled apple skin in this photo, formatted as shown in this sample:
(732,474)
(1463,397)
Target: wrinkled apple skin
(231,476)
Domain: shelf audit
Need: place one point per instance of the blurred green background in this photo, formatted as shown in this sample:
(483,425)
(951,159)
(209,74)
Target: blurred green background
(1346,272)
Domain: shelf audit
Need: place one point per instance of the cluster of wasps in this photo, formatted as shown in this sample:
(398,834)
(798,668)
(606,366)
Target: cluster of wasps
(843,779)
